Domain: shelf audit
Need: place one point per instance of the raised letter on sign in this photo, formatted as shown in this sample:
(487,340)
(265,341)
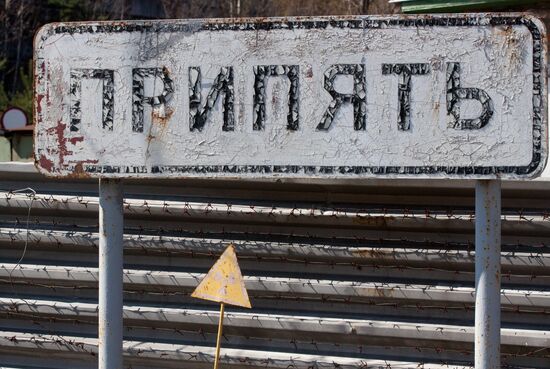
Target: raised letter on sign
(198,112)
(357,98)
(139,99)
(455,94)
(106,75)
(261,72)
(405,71)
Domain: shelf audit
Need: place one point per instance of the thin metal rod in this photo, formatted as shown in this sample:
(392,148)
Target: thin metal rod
(487,257)
(219,340)
(111,231)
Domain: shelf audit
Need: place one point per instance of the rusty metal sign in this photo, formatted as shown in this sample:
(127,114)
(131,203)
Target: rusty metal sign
(224,282)
(461,96)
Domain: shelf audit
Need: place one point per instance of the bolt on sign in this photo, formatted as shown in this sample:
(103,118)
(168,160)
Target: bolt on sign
(451,96)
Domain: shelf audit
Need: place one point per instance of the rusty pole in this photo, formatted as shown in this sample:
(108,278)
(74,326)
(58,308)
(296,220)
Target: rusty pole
(111,233)
(487,264)
(219,338)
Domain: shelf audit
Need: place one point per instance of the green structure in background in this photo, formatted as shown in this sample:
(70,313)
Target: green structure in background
(5,149)
(16,135)
(21,147)
(16,145)
(438,6)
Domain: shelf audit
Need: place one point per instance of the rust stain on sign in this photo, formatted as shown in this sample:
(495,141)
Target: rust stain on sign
(162,119)
(454,96)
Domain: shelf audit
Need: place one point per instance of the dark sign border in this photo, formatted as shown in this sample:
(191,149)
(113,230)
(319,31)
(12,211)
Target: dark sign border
(464,20)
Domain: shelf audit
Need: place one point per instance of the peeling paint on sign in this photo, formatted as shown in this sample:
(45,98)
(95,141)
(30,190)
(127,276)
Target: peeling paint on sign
(427,96)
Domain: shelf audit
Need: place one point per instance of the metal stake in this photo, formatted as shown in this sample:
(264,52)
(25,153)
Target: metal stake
(111,231)
(487,309)
(218,341)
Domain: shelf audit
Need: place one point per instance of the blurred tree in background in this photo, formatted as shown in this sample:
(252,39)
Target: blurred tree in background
(19,20)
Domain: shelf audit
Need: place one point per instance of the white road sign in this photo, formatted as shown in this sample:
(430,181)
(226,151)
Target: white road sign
(430,96)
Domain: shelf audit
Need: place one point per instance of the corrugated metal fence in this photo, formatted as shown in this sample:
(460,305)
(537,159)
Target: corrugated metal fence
(341,275)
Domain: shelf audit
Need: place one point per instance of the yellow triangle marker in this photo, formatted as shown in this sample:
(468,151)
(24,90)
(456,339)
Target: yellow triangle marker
(224,284)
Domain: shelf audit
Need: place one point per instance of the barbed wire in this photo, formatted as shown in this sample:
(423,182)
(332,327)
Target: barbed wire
(429,349)
(144,206)
(278,242)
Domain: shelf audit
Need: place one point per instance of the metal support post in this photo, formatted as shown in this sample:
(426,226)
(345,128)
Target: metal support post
(219,339)
(487,307)
(111,231)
